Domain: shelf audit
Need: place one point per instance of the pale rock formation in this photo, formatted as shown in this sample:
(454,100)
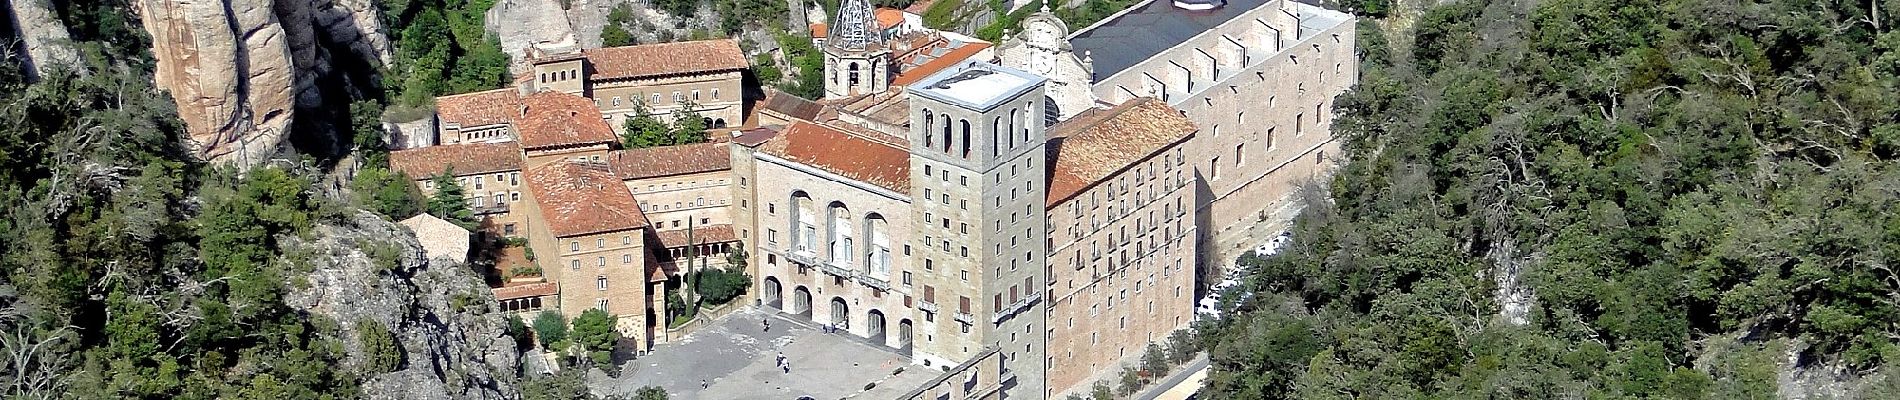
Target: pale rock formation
(453,341)
(239,69)
(44,37)
(533,22)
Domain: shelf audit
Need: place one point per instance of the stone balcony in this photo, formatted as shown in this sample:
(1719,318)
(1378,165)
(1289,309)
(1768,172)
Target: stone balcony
(837,268)
(803,256)
(874,282)
(965,318)
(926,306)
(1015,308)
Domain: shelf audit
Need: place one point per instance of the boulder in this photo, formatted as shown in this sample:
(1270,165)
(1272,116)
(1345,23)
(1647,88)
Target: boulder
(453,340)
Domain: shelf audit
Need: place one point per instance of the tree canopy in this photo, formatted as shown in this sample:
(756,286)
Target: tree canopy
(1573,198)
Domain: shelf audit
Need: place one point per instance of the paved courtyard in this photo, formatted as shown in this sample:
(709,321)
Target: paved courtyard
(736,358)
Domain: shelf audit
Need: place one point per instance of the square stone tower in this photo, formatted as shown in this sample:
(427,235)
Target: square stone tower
(978,193)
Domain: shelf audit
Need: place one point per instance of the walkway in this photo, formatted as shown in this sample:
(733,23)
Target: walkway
(736,358)
(1181,384)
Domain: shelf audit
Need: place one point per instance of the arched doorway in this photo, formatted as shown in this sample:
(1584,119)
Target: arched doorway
(874,326)
(840,313)
(801,302)
(771,293)
(903,334)
(719,123)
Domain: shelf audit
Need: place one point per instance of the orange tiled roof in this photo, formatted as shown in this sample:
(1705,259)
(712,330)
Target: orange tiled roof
(929,52)
(560,119)
(757,136)
(478,108)
(660,59)
(1099,143)
(919,7)
(819,30)
(528,290)
(702,234)
(889,17)
(467,159)
(841,153)
(669,160)
(580,198)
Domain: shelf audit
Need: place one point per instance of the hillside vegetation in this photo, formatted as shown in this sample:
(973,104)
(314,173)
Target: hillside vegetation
(1689,197)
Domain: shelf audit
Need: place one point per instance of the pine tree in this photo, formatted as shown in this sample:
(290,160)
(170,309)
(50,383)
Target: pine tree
(449,203)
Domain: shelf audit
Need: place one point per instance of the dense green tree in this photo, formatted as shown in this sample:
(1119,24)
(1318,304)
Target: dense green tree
(448,202)
(594,332)
(1681,194)
(644,130)
(381,352)
(650,393)
(568,384)
(391,194)
(720,285)
(550,328)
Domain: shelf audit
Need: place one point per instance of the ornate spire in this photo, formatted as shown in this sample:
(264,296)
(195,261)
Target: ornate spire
(856,26)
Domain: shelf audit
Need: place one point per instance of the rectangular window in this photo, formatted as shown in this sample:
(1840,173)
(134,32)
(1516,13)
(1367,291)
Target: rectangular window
(963,304)
(600,282)
(603,305)
(1299,124)
(906,278)
(508,229)
(695,95)
(1239,157)
(616,101)
(1213,168)
(771,236)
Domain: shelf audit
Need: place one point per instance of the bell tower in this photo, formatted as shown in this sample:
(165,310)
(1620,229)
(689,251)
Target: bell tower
(857,59)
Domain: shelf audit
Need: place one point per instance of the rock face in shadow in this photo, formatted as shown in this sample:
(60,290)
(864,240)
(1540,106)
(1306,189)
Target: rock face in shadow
(42,37)
(454,345)
(240,70)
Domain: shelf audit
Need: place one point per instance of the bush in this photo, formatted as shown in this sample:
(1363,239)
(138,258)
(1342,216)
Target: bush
(721,285)
(549,327)
(381,352)
(518,330)
(594,332)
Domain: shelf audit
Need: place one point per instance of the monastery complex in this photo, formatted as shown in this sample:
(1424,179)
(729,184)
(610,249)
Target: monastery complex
(1026,215)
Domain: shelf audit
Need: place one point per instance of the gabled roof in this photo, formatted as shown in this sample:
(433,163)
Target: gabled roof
(527,290)
(479,108)
(466,159)
(790,106)
(653,162)
(889,17)
(924,53)
(842,153)
(581,198)
(1100,143)
(559,119)
(662,59)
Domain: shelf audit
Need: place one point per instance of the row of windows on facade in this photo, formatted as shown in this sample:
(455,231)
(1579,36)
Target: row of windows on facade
(682,186)
(678,98)
(500,199)
(677,205)
(1240,150)
(557,76)
(1145,177)
(600,261)
(1003,132)
(676,223)
(479,181)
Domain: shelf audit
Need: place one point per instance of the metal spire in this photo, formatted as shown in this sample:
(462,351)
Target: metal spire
(856,27)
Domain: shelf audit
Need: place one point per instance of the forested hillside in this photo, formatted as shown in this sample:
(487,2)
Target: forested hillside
(127,268)
(1596,199)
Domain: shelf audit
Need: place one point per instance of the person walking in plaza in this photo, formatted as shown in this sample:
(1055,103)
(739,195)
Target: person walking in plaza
(767,323)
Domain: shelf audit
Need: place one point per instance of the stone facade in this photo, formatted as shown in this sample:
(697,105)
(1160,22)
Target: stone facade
(662,78)
(1260,83)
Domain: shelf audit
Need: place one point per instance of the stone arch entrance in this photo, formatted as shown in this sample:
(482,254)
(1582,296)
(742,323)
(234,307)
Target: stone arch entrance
(840,313)
(903,333)
(874,326)
(771,292)
(801,302)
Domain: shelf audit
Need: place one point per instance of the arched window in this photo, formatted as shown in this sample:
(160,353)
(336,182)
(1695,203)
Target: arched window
(1026,122)
(966,138)
(804,223)
(946,131)
(854,73)
(996,126)
(1012,128)
(877,261)
(930,124)
(838,221)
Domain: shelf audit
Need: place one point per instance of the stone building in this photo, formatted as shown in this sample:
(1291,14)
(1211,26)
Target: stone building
(933,239)
(1257,76)
(662,77)
(591,237)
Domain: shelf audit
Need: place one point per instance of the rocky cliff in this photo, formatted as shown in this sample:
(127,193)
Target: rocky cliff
(45,40)
(453,344)
(241,70)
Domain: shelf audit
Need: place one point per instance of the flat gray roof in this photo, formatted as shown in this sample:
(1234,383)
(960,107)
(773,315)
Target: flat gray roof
(1147,29)
(976,85)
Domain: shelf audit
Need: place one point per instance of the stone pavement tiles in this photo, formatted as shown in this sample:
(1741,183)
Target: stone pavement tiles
(737,359)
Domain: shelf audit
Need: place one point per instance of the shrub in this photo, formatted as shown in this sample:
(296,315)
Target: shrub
(721,285)
(381,352)
(549,327)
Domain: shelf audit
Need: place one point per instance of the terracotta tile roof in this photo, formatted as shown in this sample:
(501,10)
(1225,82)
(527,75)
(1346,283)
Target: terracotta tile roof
(467,159)
(925,53)
(842,153)
(525,291)
(560,119)
(660,59)
(1100,143)
(703,234)
(818,30)
(790,106)
(669,160)
(579,198)
(889,17)
(479,108)
(890,107)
